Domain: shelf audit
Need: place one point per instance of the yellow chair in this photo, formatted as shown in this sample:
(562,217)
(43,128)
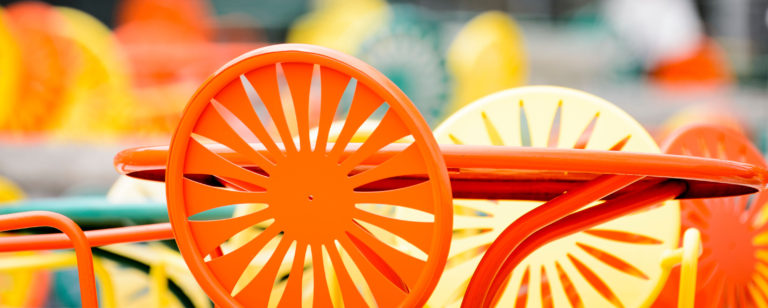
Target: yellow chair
(616,264)
(341,25)
(486,56)
(28,263)
(9,191)
(120,286)
(164,264)
(97,99)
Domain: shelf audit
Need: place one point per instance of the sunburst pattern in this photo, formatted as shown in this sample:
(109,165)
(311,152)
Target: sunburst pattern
(318,241)
(733,267)
(611,265)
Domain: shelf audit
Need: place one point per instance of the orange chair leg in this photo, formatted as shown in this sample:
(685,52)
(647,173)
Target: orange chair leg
(76,237)
(532,221)
(580,221)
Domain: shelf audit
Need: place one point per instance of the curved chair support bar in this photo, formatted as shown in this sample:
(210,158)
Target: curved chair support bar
(533,221)
(76,239)
(583,220)
(154,232)
(570,224)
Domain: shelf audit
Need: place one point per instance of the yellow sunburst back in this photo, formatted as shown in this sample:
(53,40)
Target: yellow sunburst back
(613,264)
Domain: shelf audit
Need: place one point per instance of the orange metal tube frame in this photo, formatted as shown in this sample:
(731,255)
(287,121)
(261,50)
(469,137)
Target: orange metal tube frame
(476,162)
(73,236)
(486,289)
(490,167)
(153,232)
(532,221)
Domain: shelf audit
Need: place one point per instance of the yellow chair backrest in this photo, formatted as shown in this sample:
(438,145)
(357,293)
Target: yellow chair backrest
(487,56)
(613,264)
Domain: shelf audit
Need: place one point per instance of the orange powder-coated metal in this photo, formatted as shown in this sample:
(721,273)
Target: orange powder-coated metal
(144,233)
(576,222)
(303,184)
(224,154)
(728,278)
(733,230)
(310,188)
(497,172)
(537,218)
(76,237)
